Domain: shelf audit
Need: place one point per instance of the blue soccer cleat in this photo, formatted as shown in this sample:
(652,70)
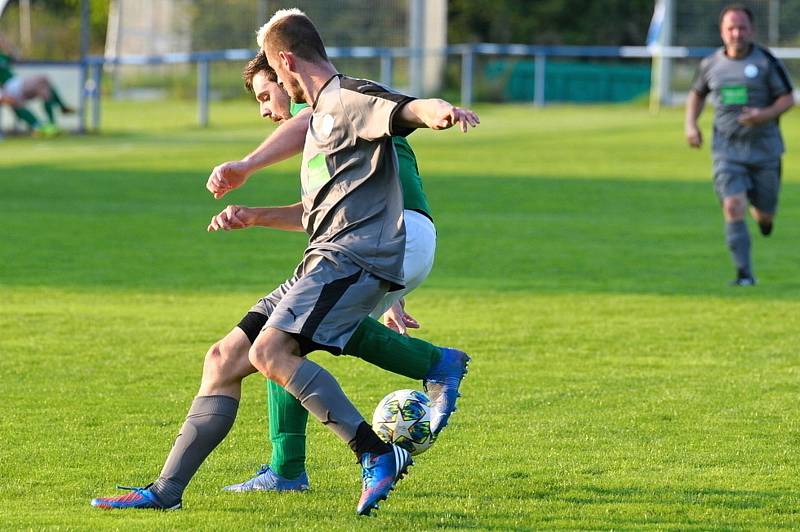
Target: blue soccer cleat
(442,383)
(268,480)
(379,475)
(137,498)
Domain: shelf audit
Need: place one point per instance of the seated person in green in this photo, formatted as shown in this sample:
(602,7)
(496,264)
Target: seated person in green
(287,418)
(16,91)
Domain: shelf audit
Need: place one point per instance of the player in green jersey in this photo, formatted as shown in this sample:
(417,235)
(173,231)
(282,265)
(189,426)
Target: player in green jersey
(287,418)
(17,90)
(352,212)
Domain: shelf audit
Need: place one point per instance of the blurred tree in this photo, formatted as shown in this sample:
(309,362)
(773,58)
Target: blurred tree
(55,27)
(220,25)
(610,22)
(98,16)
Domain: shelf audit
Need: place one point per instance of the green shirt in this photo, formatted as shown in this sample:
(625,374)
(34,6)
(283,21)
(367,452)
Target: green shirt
(414,197)
(5,68)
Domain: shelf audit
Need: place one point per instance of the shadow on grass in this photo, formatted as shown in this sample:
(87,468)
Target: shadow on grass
(602,507)
(146,230)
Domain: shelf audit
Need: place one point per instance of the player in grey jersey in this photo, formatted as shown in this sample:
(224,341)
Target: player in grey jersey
(352,212)
(750,90)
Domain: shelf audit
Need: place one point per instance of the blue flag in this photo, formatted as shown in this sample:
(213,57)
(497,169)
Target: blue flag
(656,31)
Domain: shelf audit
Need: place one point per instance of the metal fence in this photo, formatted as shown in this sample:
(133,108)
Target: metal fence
(467,69)
(539,58)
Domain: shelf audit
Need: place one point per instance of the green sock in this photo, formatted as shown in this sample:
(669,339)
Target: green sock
(287,432)
(26,116)
(389,350)
(48,109)
(372,342)
(55,98)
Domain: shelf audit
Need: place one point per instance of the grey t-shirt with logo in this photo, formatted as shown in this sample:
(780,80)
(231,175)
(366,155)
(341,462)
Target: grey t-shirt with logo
(352,199)
(756,80)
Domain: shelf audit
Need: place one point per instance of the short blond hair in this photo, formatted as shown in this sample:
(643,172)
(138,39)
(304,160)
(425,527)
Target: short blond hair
(293,31)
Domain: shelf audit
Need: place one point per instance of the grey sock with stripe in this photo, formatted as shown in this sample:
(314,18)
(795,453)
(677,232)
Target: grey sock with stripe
(207,423)
(321,395)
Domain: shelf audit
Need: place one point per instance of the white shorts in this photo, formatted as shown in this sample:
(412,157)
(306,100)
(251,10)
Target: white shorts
(418,261)
(13,88)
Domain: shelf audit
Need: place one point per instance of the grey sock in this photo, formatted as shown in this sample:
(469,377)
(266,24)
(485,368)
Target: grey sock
(207,423)
(321,395)
(738,239)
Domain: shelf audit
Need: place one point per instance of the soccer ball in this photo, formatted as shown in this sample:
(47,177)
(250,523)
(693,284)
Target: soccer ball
(404,418)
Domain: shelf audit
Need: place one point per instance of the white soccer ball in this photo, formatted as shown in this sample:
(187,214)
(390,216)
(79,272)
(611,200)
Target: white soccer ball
(404,418)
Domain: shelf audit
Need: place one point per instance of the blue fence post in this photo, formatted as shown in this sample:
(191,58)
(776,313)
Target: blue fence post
(387,68)
(97,72)
(539,69)
(85,21)
(467,65)
(202,92)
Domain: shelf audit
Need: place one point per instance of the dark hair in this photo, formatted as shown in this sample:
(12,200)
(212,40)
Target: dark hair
(737,7)
(296,33)
(254,66)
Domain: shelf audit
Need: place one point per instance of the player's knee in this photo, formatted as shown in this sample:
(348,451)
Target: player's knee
(733,208)
(215,361)
(264,355)
(259,357)
(223,359)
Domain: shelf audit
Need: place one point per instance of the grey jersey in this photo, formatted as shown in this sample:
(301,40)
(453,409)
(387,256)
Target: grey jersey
(352,200)
(757,80)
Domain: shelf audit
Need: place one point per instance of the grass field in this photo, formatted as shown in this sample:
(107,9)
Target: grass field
(617,382)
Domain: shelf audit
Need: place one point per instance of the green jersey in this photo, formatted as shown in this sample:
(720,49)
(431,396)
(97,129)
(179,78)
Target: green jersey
(5,68)
(414,197)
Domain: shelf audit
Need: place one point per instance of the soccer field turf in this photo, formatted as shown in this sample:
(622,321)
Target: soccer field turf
(617,382)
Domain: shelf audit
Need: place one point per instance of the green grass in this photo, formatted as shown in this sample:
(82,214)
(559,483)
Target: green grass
(617,382)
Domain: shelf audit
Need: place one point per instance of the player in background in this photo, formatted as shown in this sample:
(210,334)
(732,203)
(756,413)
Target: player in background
(15,91)
(352,211)
(287,418)
(750,90)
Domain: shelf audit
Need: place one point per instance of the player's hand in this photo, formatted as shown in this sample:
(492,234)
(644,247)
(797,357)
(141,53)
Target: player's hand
(752,116)
(232,217)
(226,177)
(694,137)
(396,318)
(444,115)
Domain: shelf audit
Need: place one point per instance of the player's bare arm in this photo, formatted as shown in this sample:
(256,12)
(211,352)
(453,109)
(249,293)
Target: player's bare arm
(285,218)
(436,114)
(694,107)
(287,140)
(752,116)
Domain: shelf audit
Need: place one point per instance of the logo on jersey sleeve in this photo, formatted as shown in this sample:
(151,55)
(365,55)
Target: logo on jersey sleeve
(327,125)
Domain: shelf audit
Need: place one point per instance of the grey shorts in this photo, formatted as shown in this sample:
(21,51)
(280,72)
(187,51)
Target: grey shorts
(760,182)
(323,303)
